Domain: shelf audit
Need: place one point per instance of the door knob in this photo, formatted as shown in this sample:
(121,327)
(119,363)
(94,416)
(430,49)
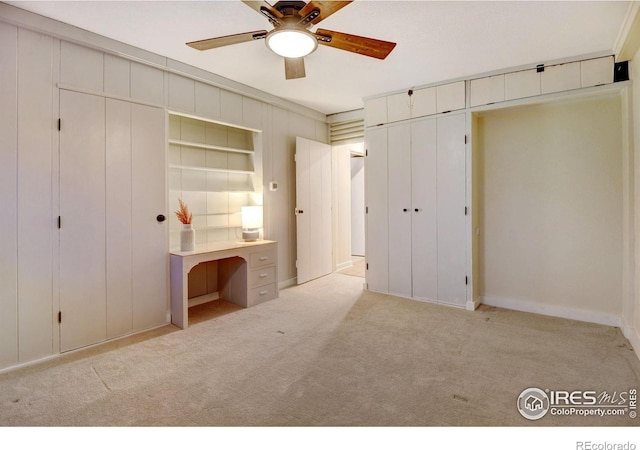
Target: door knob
(405,209)
(161,218)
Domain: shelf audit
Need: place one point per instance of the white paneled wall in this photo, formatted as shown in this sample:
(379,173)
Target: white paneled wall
(135,96)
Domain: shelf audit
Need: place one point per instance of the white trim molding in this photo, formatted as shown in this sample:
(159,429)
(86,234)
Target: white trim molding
(581,315)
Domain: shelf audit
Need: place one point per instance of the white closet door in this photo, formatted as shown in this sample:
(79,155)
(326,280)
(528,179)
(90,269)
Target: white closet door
(450,210)
(313,210)
(424,250)
(399,166)
(118,220)
(148,199)
(376,200)
(82,211)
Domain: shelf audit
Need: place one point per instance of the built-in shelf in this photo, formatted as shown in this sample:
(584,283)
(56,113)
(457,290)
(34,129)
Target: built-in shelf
(209,169)
(209,146)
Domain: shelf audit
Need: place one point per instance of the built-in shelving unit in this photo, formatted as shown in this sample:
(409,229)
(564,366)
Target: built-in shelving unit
(212,168)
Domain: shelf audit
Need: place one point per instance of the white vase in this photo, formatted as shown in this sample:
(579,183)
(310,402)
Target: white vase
(187,238)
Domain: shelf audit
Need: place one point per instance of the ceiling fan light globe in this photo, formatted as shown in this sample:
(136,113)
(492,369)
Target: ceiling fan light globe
(291,43)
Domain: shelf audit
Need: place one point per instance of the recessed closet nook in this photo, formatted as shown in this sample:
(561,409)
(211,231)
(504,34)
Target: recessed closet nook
(509,190)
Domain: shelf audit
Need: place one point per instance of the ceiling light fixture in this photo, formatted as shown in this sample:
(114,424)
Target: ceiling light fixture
(291,43)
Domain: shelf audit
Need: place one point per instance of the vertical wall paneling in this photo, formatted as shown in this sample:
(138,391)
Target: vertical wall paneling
(8,196)
(231,107)
(377,227)
(35,221)
(424,251)
(181,93)
(117,76)
(147,83)
(207,100)
(81,67)
(252,113)
(118,218)
(451,175)
(400,210)
(150,240)
(82,209)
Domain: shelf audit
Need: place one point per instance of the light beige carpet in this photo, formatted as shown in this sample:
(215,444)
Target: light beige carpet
(326,353)
(357,269)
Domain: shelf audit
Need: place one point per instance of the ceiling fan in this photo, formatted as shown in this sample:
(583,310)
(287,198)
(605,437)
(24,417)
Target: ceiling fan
(291,37)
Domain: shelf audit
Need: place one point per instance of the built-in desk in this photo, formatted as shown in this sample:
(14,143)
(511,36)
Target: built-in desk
(247,274)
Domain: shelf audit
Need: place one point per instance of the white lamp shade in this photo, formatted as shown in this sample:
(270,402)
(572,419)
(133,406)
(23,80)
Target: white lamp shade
(251,217)
(291,43)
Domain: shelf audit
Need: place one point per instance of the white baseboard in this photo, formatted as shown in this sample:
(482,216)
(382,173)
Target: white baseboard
(344,265)
(633,336)
(472,305)
(288,283)
(553,310)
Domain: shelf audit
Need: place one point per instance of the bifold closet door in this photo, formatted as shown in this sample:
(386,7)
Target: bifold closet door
(452,239)
(82,220)
(424,251)
(377,220)
(400,209)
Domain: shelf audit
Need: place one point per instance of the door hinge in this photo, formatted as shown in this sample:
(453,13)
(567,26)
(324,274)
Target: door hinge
(465,139)
(367,266)
(366,152)
(59,316)
(466,210)
(59,222)
(59,124)
(466,280)
(366,210)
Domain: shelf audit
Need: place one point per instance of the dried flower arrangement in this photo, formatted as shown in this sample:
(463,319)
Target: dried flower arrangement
(183,214)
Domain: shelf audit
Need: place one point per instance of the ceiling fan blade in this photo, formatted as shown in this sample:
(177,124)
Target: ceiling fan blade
(222,41)
(357,44)
(259,6)
(294,68)
(326,8)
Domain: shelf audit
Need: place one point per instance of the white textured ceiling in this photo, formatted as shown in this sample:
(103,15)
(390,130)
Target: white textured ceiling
(436,41)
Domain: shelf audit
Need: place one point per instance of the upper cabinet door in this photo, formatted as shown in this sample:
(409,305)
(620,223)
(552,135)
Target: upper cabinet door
(595,72)
(487,90)
(398,107)
(562,77)
(375,111)
(450,97)
(525,83)
(423,102)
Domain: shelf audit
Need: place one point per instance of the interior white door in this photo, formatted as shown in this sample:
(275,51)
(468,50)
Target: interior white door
(424,228)
(377,206)
(313,210)
(400,211)
(82,216)
(451,168)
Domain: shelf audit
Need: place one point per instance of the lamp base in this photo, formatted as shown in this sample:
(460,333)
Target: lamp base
(250,235)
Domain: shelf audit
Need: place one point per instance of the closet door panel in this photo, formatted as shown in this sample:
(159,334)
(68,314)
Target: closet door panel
(424,250)
(118,220)
(450,210)
(376,199)
(8,196)
(399,163)
(82,211)
(35,221)
(149,237)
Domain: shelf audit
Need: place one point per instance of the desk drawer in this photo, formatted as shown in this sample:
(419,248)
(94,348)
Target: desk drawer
(262,258)
(262,294)
(262,277)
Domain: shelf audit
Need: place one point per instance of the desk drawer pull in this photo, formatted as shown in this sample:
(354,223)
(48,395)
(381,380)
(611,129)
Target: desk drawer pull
(264,258)
(264,292)
(263,275)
